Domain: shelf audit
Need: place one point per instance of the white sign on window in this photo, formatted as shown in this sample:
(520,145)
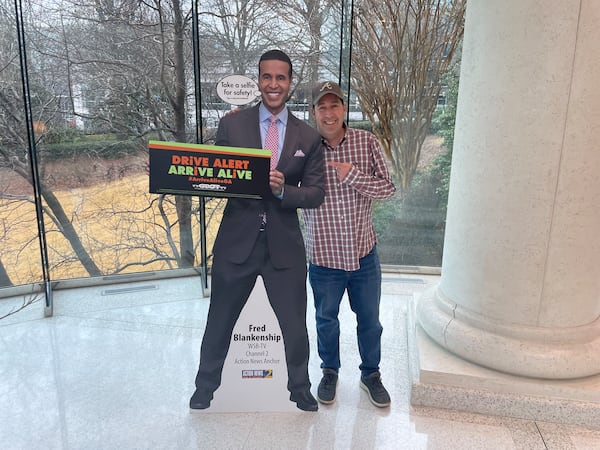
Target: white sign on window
(237,90)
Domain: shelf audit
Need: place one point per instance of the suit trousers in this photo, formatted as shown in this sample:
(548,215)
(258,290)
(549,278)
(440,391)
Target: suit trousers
(231,285)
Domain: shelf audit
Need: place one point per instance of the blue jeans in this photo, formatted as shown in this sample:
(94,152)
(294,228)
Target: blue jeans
(364,293)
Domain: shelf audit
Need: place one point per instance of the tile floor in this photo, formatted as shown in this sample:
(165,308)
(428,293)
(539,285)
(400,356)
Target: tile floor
(115,366)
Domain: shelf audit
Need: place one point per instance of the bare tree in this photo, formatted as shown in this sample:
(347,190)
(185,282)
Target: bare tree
(134,82)
(242,30)
(13,152)
(308,19)
(4,277)
(402,49)
(239,31)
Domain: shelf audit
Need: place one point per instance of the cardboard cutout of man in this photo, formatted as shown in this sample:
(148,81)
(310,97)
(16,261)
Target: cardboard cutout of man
(263,237)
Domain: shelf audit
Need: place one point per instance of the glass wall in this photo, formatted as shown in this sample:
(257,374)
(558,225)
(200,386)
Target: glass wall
(20,261)
(104,78)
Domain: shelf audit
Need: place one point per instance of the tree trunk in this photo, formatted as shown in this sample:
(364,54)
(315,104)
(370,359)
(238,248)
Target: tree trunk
(4,278)
(69,232)
(65,225)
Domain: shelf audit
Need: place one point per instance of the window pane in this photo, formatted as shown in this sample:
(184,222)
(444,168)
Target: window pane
(400,56)
(109,79)
(20,261)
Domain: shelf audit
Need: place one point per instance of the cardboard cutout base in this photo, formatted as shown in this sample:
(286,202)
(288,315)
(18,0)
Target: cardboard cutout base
(255,373)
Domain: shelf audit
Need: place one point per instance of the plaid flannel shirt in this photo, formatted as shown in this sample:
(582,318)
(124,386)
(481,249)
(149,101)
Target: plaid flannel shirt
(341,231)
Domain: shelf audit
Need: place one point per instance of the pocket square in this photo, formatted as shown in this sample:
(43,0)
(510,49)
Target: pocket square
(299,153)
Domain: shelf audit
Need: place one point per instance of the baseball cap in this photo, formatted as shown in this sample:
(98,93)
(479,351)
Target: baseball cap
(324,88)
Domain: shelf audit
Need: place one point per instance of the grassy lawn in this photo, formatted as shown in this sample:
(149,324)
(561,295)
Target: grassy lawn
(118,222)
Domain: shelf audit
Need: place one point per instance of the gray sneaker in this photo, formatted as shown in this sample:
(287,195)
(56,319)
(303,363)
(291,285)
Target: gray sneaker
(326,390)
(377,393)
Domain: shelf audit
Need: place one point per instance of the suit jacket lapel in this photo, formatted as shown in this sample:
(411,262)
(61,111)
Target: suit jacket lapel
(290,142)
(254,137)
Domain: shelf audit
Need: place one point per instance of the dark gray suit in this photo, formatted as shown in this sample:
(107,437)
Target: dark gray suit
(242,252)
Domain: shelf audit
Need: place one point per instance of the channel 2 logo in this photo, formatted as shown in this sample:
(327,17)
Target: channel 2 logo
(267,373)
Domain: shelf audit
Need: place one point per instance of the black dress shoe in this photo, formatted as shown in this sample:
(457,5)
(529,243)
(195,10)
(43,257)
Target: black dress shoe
(304,400)
(200,400)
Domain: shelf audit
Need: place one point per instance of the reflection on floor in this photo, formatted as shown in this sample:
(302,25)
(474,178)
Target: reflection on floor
(115,366)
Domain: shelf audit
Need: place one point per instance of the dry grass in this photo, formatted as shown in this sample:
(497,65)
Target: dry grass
(118,222)
(432,147)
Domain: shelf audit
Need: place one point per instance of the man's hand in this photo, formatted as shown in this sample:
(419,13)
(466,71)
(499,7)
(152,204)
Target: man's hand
(276,181)
(233,111)
(341,168)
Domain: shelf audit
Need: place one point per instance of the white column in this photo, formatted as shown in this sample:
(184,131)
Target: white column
(520,286)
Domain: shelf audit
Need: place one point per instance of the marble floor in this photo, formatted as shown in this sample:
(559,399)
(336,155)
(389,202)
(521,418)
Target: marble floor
(114,369)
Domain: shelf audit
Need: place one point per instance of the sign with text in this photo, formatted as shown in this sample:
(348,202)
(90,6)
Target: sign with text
(237,90)
(208,170)
(255,373)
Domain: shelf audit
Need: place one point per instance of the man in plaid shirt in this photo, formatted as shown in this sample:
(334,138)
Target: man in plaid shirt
(341,243)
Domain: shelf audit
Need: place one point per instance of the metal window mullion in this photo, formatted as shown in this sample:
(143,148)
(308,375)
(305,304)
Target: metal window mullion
(33,161)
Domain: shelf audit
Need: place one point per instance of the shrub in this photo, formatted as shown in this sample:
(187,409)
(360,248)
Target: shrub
(410,228)
(444,121)
(105,149)
(58,135)
(362,125)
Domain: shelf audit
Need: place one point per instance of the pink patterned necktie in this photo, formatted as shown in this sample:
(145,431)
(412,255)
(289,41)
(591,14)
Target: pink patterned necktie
(272,141)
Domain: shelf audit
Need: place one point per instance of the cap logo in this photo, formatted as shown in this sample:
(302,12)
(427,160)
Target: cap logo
(326,85)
